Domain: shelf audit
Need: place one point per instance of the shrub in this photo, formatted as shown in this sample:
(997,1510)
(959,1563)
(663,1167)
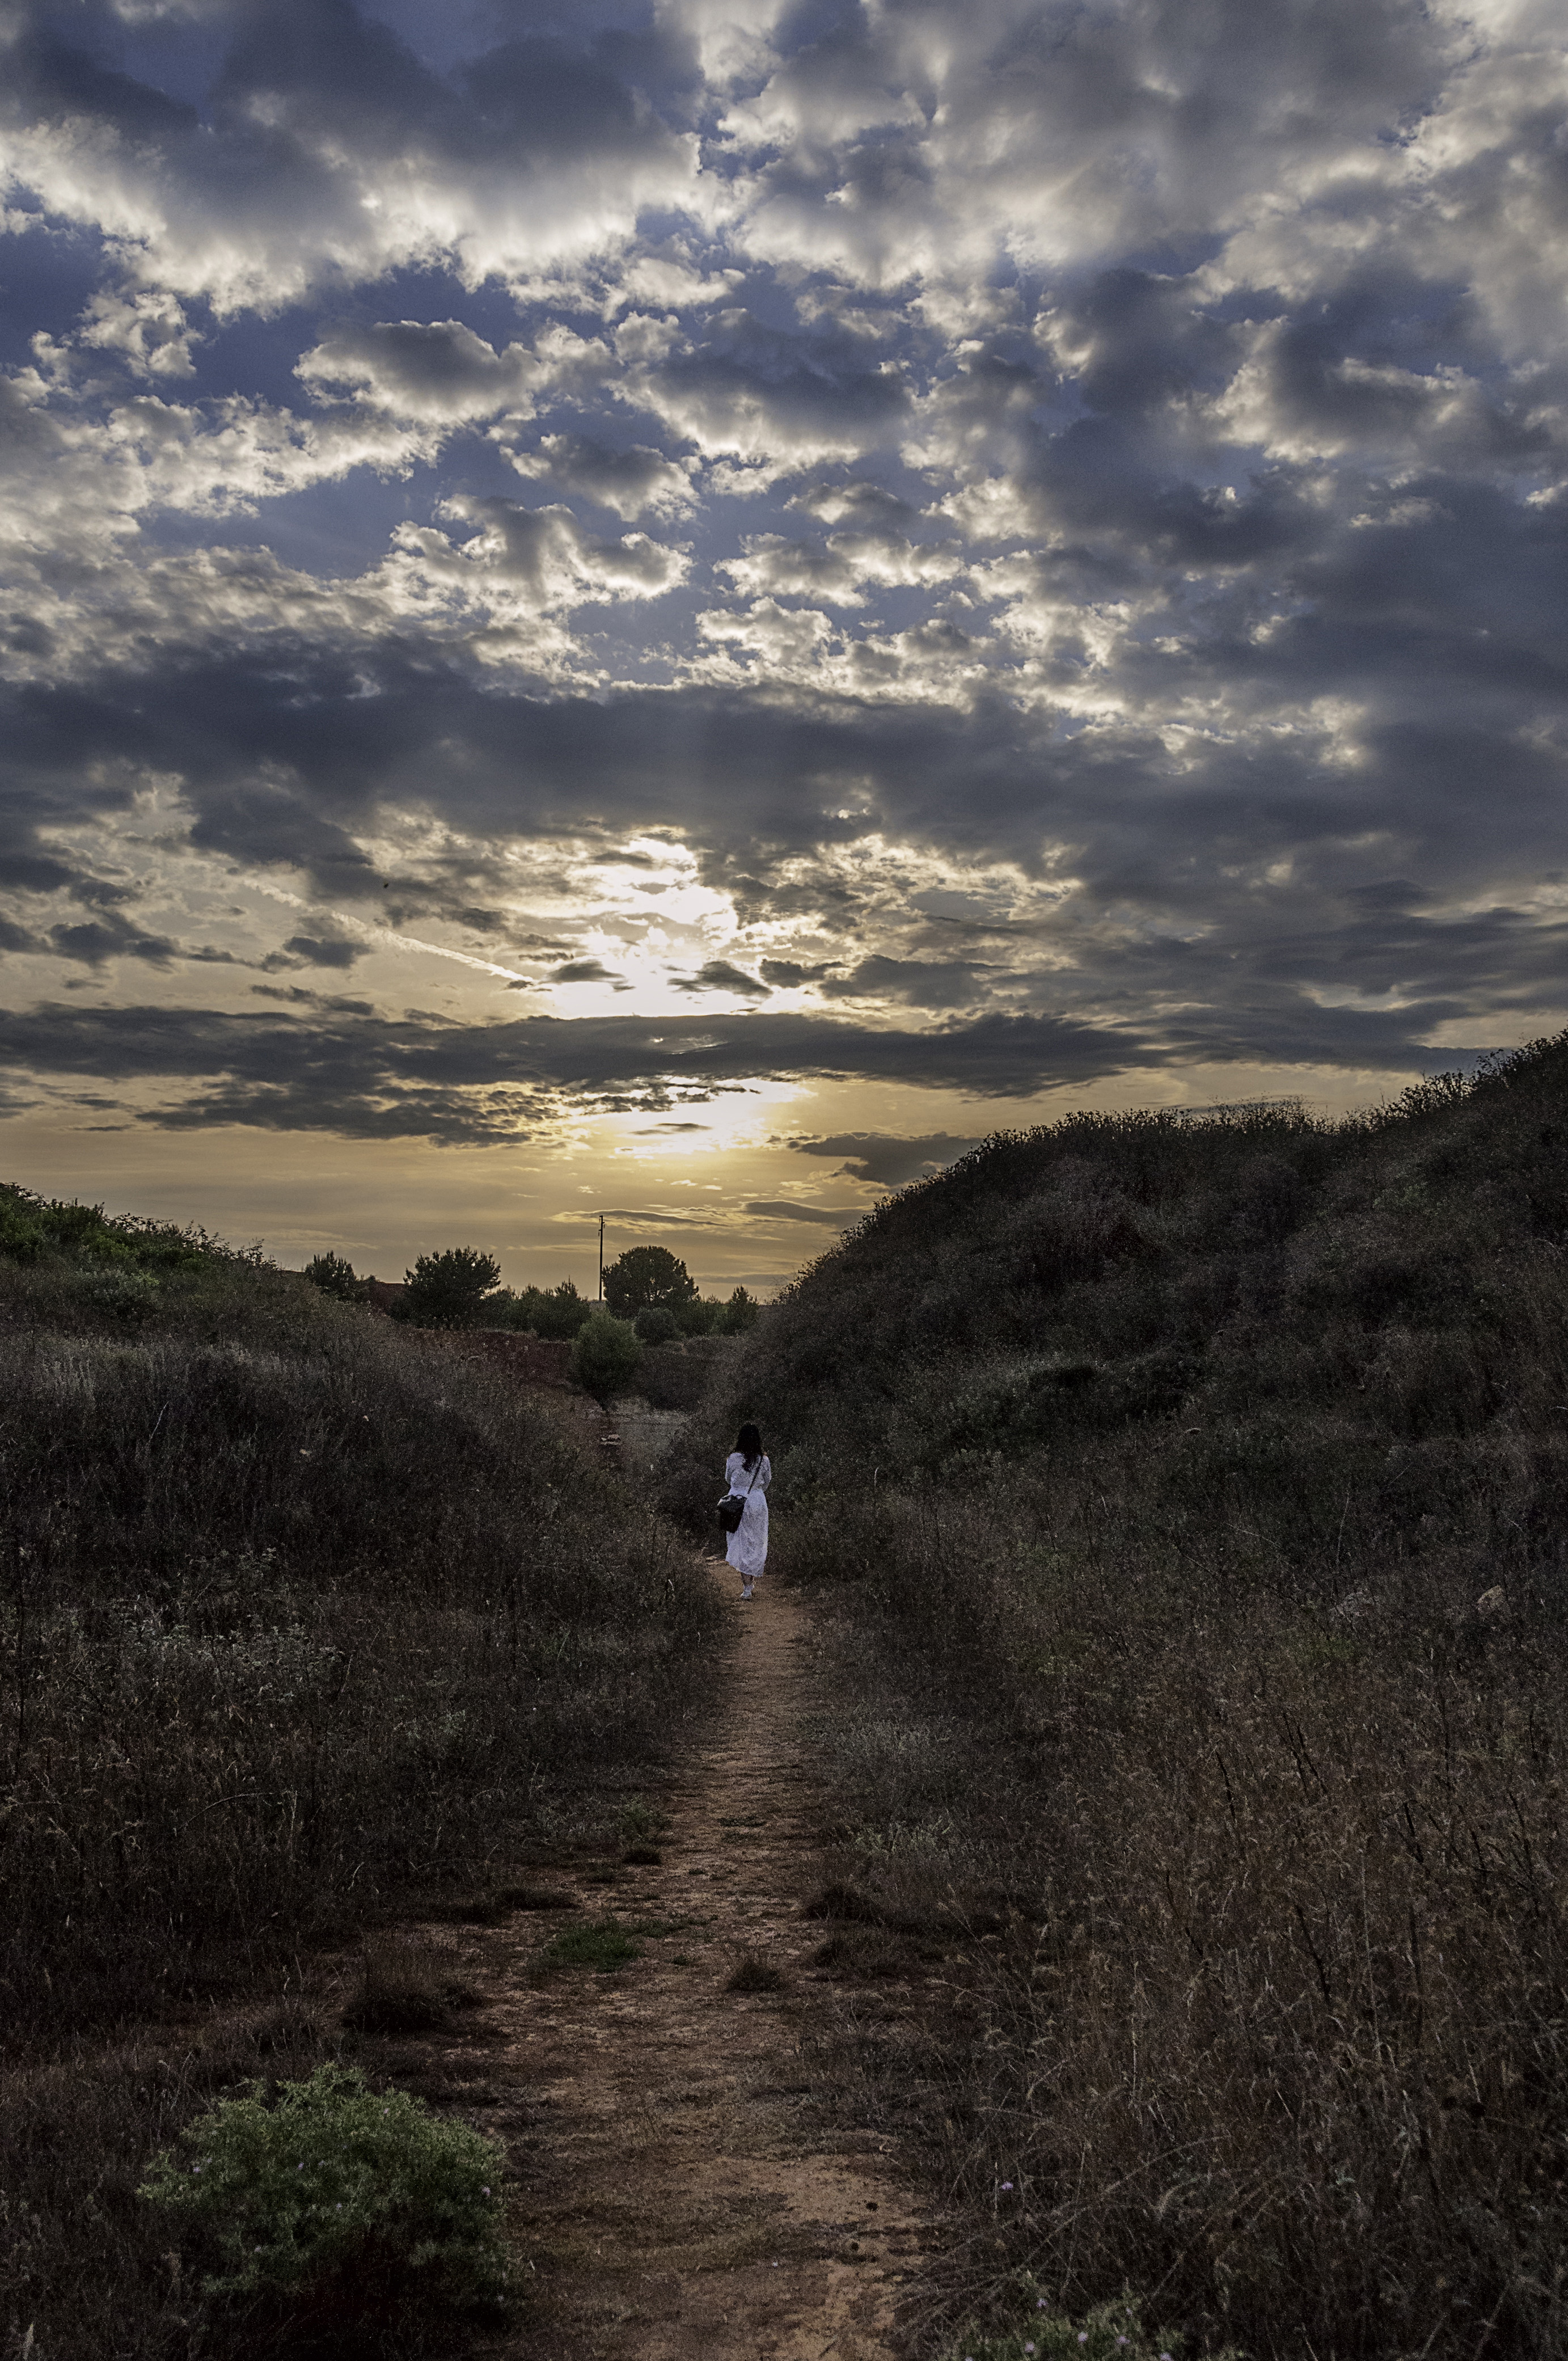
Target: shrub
(129,1296)
(655,1325)
(739,1314)
(605,1354)
(448,1291)
(553,1312)
(1112,2331)
(329,2178)
(334,1275)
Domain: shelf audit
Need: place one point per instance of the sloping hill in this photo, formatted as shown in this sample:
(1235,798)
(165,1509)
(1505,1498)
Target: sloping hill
(300,1611)
(306,1620)
(1196,1494)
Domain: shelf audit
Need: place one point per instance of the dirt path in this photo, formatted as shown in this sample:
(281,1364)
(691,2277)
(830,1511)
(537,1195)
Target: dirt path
(684,2195)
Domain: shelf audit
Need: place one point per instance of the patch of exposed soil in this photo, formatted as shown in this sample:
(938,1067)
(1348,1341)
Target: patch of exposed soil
(689,2186)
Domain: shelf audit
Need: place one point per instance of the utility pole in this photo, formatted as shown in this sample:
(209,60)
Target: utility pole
(601,1258)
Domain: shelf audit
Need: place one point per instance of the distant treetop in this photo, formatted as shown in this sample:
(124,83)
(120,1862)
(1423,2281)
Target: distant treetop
(449,1291)
(646,1276)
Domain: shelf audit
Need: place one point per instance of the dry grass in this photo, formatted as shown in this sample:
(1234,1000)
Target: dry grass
(1201,1646)
(406,1985)
(753,1973)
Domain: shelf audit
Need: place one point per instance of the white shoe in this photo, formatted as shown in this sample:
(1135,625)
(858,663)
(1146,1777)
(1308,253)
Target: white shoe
(744,1596)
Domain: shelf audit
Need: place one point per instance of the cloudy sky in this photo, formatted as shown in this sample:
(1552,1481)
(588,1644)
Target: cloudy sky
(686,605)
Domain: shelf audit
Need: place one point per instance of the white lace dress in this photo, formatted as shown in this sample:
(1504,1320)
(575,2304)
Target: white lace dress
(747,1547)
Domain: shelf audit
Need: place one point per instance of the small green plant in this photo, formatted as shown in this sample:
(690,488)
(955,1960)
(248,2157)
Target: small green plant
(603,1948)
(640,1819)
(1113,2331)
(287,2195)
(656,1324)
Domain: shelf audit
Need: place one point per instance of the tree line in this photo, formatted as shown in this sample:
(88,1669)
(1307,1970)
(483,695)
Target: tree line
(650,1299)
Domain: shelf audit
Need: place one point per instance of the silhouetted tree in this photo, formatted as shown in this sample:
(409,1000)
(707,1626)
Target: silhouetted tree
(648,1275)
(448,1291)
(557,1312)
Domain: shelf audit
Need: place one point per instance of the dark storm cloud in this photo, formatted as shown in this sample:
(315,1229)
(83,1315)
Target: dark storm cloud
(289,781)
(316,950)
(717,975)
(342,1072)
(922,984)
(95,941)
(584,971)
(626,479)
(296,782)
(826,386)
(330,73)
(885,1159)
(783,1209)
(369,1076)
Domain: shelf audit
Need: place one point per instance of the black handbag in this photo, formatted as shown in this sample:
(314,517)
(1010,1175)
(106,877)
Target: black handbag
(732,1508)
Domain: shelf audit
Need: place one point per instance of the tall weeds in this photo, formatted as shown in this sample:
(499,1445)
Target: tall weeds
(1196,1492)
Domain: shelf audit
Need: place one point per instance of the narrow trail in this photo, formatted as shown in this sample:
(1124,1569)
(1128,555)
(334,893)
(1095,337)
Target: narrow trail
(683,2194)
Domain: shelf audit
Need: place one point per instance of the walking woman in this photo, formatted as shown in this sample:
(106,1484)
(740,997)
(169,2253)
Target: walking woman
(748,1471)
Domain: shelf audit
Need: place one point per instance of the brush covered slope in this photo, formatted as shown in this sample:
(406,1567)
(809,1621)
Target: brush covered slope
(1193,1496)
(306,1620)
(299,1612)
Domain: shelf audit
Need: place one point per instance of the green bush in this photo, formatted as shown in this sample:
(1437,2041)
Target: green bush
(1113,2331)
(34,1229)
(330,2178)
(129,1296)
(605,1354)
(656,1324)
(553,1311)
(333,1274)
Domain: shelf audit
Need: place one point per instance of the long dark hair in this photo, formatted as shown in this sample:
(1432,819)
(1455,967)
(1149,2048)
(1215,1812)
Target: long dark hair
(748,1443)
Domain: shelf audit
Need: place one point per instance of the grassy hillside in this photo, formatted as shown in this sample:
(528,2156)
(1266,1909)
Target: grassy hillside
(303,1618)
(1195,1494)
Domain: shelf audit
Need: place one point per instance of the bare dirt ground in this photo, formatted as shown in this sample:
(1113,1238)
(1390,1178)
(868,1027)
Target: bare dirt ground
(691,2183)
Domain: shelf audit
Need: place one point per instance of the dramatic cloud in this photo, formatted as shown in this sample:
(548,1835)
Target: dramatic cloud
(783,1209)
(976,550)
(875,1157)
